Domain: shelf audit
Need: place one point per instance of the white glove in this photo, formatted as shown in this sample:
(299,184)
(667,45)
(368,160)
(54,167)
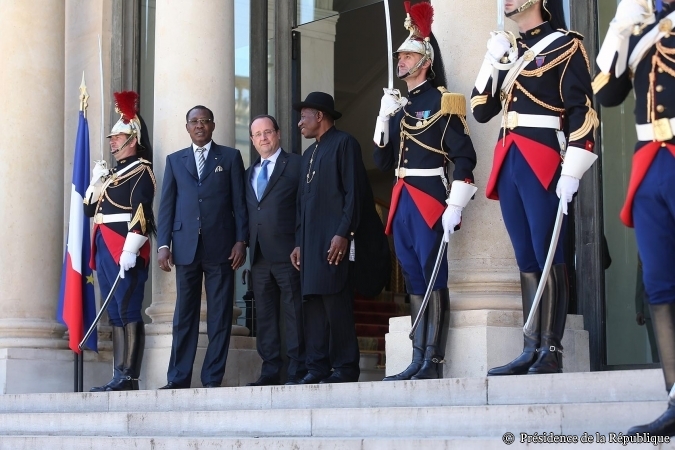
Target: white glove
(498,45)
(452,216)
(99,171)
(391,102)
(567,187)
(127,261)
(630,13)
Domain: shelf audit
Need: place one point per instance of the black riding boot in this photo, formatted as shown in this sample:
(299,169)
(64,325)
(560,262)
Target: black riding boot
(553,305)
(437,333)
(519,366)
(663,318)
(134,340)
(418,341)
(118,359)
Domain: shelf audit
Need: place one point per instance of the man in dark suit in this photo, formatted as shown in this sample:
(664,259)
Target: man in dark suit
(202,229)
(328,218)
(271,196)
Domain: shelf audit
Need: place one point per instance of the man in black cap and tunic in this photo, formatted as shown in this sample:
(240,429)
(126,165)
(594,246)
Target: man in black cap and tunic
(328,217)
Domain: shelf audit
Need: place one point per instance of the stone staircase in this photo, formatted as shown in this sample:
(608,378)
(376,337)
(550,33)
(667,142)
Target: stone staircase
(371,317)
(461,413)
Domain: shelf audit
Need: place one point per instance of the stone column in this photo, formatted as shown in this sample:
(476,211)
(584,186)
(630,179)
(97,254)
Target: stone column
(31,191)
(486,311)
(194,65)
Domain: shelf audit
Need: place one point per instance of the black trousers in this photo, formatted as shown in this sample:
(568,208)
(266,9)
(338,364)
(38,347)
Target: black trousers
(276,287)
(219,283)
(330,334)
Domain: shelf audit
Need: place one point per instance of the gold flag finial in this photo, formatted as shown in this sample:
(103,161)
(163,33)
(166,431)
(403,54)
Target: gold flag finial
(84,96)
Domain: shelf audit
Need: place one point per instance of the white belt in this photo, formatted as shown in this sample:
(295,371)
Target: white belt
(403,172)
(514,119)
(110,218)
(660,130)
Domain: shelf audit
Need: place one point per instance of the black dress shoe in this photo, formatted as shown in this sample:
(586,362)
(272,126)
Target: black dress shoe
(311,378)
(212,385)
(264,380)
(172,385)
(338,377)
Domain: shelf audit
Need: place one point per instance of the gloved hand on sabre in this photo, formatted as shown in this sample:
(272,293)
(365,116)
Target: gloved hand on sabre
(390,104)
(452,216)
(498,45)
(132,245)
(630,13)
(566,188)
(99,171)
(127,261)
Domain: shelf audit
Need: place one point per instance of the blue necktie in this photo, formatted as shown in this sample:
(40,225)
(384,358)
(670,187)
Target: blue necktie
(262,179)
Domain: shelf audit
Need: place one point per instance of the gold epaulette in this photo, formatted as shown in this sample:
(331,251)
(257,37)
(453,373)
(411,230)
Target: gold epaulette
(572,33)
(145,161)
(453,104)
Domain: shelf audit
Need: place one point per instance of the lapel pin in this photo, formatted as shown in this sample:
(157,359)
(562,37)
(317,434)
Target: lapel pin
(219,169)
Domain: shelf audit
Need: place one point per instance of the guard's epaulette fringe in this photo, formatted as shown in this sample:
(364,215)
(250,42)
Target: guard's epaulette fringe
(453,104)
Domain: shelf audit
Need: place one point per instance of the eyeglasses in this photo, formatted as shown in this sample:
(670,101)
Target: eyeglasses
(264,133)
(194,122)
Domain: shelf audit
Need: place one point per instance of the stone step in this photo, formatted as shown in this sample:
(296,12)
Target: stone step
(491,421)
(580,387)
(181,443)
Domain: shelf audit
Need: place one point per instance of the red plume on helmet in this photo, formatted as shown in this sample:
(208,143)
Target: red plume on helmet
(126,103)
(422,15)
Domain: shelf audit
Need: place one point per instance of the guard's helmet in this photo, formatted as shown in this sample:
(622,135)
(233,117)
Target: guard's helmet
(419,18)
(126,104)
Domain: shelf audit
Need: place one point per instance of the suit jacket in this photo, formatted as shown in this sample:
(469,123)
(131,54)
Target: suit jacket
(214,206)
(272,220)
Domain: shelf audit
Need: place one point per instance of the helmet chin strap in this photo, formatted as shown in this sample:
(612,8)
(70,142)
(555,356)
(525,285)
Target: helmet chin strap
(523,7)
(415,68)
(131,136)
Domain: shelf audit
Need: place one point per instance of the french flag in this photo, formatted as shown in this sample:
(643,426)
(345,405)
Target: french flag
(77,304)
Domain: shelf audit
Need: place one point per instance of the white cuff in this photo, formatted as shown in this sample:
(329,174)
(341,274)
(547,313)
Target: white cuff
(615,42)
(460,193)
(92,194)
(381,135)
(134,242)
(577,162)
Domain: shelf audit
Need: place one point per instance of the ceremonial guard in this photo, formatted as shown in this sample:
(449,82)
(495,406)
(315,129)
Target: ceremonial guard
(639,53)
(419,137)
(540,82)
(120,201)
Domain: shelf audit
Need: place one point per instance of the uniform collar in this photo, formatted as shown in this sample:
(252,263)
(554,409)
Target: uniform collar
(126,161)
(537,32)
(421,89)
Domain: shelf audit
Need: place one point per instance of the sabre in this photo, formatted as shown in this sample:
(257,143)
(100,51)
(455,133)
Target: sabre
(390,50)
(104,306)
(528,329)
(100,69)
(430,286)
(500,15)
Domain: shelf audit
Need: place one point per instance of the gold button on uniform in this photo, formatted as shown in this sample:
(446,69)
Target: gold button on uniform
(405,161)
(660,108)
(515,99)
(659,88)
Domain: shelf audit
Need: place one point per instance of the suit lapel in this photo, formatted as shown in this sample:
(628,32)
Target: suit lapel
(279,167)
(214,159)
(189,161)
